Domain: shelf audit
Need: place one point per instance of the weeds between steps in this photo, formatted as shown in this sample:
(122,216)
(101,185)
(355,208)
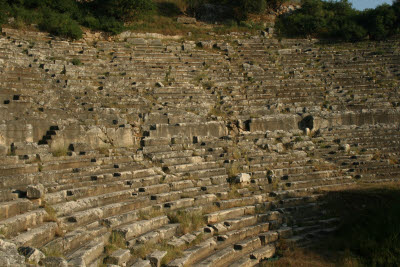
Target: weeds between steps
(189,221)
(116,241)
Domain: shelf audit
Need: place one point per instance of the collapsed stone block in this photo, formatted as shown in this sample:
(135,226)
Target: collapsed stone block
(35,191)
(31,254)
(243,178)
(156,258)
(119,257)
(9,256)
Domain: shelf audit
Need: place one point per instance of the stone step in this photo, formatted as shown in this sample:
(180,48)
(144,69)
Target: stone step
(319,182)
(18,169)
(13,208)
(159,235)
(244,201)
(240,234)
(101,213)
(88,253)
(90,191)
(194,253)
(38,236)
(22,222)
(192,166)
(140,227)
(72,241)
(67,208)
(221,215)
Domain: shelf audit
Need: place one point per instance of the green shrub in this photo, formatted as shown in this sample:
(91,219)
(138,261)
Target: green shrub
(111,25)
(91,22)
(253,6)
(28,16)
(4,10)
(380,22)
(76,62)
(338,20)
(60,24)
(274,4)
(125,9)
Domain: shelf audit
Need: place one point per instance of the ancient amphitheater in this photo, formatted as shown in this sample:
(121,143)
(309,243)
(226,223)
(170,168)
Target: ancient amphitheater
(155,152)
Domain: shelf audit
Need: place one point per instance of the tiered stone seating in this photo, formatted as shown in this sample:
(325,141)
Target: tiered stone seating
(105,147)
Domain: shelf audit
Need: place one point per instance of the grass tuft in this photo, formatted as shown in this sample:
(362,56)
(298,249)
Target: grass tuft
(189,221)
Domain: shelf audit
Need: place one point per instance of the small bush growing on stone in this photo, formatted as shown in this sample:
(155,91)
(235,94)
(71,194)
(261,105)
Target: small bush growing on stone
(76,62)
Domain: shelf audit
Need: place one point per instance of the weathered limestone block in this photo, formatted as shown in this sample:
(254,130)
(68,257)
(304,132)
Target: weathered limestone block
(155,189)
(188,46)
(141,263)
(31,254)
(16,131)
(194,253)
(205,199)
(228,214)
(215,129)
(119,257)
(285,232)
(263,253)
(249,244)
(206,44)
(156,258)
(37,236)
(87,254)
(137,41)
(14,208)
(155,42)
(141,227)
(93,136)
(180,203)
(26,148)
(269,237)
(243,178)
(54,262)
(285,122)
(35,191)
(176,242)
(273,215)
(356,118)
(3,150)
(219,228)
(9,256)
(121,137)
(181,185)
